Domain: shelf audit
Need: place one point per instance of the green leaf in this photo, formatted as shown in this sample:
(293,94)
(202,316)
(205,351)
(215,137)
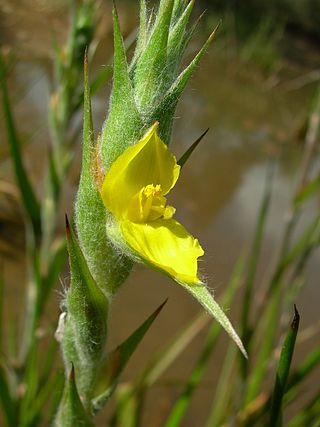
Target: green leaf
(311,361)
(308,416)
(253,264)
(226,385)
(31,379)
(39,403)
(204,297)
(307,192)
(310,238)
(71,412)
(1,308)
(133,397)
(8,404)
(269,320)
(56,265)
(119,358)
(171,352)
(283,371)
(191,149)
(28,196)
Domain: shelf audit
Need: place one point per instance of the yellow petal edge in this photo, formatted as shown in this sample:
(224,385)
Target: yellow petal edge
(134,191)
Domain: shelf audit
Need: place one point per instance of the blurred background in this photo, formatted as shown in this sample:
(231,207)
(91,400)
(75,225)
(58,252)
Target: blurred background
(254,90)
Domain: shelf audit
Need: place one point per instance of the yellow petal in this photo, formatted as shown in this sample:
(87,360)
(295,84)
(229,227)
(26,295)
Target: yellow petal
(147,162)
(167,245)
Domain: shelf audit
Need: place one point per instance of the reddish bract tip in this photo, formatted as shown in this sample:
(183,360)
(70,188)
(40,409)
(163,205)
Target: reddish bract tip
(72,373)
(67,225)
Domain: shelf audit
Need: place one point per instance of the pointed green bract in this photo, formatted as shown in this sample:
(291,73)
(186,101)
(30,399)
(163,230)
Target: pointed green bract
(123,125)
(84,331)
(91,215)
(178,8)
(184,158)
(71,412)
(206,299)
(165,109)
(150,74)
(176,39)
(119,358)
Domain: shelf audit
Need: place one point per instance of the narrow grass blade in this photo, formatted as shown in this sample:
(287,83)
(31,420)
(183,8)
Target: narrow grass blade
(310,238)
(31,380)
(157,365)
(266,333)
(6,401)
(56,397)
(171,352)
(306,242)
(36,409)
(1,308)
(309,415)
(55,268)
(253,264)
(48,362)
(28,196)
(191,149)
(307,192)
(181,405)
(223,390)
(262,405)
(119,358)
(283,371)
(307,366)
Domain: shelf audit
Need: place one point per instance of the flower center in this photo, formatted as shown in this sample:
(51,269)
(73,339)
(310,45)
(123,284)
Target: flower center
(149,204)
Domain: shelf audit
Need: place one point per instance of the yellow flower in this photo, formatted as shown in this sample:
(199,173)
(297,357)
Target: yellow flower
(134,191)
